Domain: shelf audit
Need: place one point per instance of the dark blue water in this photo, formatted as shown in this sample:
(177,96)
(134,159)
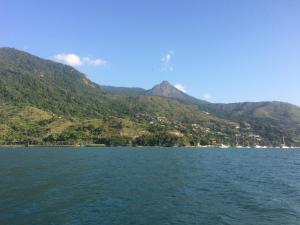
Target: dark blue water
(123,186)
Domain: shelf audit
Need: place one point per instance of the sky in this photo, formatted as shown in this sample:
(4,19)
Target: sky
(217,50)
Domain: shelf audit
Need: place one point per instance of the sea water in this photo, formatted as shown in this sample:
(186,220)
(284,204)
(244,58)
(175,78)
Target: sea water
(155,186)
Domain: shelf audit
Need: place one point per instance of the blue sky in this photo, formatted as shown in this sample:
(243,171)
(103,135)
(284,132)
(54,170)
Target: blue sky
(221,50)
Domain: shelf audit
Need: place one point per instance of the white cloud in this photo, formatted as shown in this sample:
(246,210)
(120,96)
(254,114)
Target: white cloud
(70,59)
(180,87)
(75,60)
(207,96)
(166,61)
(95,62)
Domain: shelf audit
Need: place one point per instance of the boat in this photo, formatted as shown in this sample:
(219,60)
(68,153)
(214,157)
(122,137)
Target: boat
(224,146)
(283,145)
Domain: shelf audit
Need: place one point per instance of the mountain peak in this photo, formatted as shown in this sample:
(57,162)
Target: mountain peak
(165,82)
(165,89)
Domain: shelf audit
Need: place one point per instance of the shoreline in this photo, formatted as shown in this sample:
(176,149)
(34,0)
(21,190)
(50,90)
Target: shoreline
(104,146)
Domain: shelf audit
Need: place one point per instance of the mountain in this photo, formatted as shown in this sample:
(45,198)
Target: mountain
(29,80)
(271,120)
(165,89)
(45,102)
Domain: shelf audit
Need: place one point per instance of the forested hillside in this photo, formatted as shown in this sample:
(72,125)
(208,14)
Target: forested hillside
(46,103)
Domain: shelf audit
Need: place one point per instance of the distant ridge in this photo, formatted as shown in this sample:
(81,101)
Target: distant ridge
(132,91)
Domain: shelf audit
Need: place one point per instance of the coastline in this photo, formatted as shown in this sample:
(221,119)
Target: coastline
(104,146)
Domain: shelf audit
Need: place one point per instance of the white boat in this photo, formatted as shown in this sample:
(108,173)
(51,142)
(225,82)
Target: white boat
(284,146)
(223,146)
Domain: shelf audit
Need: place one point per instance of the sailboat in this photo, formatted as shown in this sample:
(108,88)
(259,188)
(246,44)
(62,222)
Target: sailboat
(283,145)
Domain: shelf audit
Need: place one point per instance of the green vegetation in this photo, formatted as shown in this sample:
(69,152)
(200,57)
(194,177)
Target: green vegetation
(48,103)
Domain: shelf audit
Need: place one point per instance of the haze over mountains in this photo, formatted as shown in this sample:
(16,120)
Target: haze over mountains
(45,102)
